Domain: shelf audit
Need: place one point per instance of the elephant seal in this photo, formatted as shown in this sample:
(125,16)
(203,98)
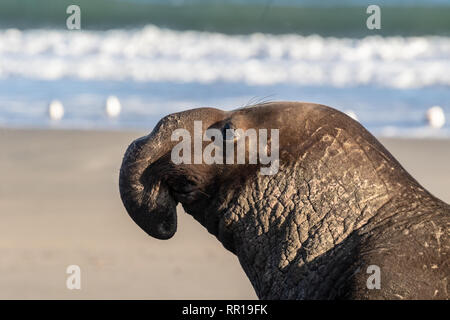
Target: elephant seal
(340,219)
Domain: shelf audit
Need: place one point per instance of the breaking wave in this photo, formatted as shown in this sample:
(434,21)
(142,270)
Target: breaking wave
(154,54)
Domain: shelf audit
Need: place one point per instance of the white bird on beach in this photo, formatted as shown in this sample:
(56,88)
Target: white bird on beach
(56,110)
(435,117)
(113,106)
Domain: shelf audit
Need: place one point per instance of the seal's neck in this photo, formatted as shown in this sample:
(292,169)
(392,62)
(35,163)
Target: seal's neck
(288,234)
(292,219)
(282,226)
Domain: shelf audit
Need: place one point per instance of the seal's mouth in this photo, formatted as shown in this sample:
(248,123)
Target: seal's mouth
(186,194)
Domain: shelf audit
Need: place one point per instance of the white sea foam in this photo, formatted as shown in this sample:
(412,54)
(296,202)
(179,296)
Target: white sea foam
(160,55)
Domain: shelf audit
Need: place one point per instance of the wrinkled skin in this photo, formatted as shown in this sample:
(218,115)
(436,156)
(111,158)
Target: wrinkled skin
(339,203)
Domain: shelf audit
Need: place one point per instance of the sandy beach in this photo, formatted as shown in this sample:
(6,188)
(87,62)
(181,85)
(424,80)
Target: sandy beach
(60,205)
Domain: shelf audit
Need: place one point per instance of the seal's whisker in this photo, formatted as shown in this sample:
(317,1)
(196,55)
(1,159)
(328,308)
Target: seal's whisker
(255,101)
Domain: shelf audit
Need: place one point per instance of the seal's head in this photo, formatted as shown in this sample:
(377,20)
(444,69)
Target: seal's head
(152,183)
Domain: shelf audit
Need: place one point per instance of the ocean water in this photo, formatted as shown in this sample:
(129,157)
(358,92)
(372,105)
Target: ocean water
(389,79)
(337,18)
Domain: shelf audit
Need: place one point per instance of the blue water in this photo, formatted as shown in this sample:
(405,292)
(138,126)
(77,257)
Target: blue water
(389,82)
(384,111)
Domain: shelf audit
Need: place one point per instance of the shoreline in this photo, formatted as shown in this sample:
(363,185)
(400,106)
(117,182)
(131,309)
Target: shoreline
(138,131)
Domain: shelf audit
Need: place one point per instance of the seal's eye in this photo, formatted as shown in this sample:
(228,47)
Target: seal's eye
(228,132)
